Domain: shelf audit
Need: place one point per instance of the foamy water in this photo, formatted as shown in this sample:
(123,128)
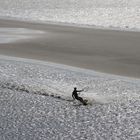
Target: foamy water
(122,14)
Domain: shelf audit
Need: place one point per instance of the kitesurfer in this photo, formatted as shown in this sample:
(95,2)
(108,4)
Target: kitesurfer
(75,95)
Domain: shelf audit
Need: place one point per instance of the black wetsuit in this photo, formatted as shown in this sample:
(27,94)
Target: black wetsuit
(75,96)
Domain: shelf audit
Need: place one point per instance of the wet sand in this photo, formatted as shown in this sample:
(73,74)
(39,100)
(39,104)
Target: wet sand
(108,51)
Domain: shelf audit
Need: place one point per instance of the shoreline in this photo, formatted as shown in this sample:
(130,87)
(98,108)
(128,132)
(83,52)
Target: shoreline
(35,24)
(67,67)
(107,51)
(74,25)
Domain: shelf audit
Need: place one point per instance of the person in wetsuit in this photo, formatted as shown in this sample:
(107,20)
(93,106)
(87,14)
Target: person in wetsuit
(75,96)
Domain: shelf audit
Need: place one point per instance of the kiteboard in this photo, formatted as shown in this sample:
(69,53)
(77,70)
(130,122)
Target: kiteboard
(79,103)
(88,102)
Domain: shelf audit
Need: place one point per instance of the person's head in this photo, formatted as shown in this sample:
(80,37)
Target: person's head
(75,88)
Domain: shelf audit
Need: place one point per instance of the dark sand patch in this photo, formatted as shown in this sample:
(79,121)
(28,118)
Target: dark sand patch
(107,51)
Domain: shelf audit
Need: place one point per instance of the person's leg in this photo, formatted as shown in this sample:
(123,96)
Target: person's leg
(81,100)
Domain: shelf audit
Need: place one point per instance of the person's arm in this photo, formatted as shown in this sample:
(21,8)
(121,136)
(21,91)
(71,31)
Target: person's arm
(80,90)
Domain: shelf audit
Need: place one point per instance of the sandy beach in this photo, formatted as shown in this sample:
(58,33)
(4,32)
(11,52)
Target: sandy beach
(108,51)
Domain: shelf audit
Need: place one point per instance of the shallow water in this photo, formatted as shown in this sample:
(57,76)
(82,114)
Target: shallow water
(30,116)
(28,111)
(8,35)
(108,13)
